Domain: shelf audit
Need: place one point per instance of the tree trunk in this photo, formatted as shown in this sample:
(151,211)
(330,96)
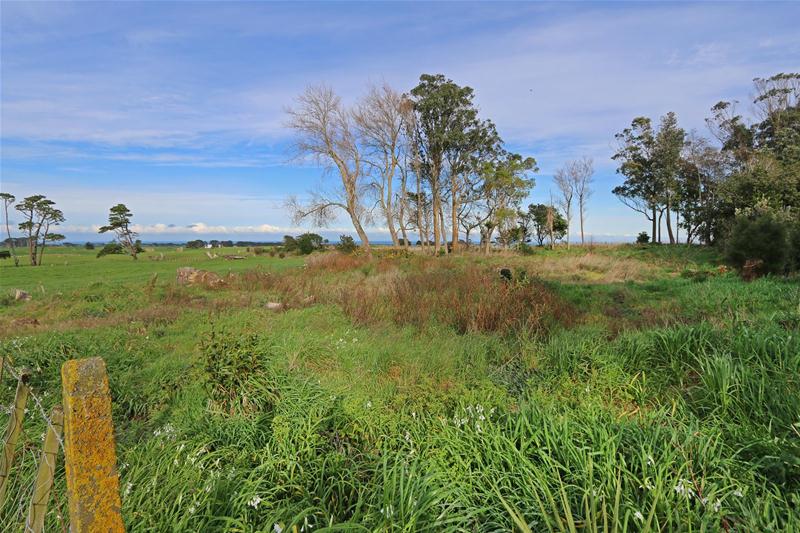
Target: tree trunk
(582,238)
(11,240)
(669,224)
(454,221)
(653,236)
(443,230)
(389,209)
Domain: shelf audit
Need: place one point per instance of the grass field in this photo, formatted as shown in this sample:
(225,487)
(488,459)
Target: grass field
(620,388)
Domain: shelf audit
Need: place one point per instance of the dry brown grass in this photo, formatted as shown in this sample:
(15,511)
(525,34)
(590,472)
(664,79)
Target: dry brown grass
(589,268)
(469,300)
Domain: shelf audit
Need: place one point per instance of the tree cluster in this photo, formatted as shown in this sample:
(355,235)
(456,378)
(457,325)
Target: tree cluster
(692,184)
(39,218)
(422,162)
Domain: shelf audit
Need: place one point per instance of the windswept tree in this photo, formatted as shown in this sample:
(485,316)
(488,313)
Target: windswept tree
(650,160)
(326,134)
(8,199)
(119,222)
(39,216)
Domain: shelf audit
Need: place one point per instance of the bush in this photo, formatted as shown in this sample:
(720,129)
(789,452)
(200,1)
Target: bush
(309,242)
(259,250)
(643,238)
(346,244)
(760,237)
(111,248)
(526,249)
(794,246)
(89,246)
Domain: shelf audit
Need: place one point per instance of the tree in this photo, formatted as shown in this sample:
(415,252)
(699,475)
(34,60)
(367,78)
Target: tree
(379,122)
(566,187)
(9,199)
(325,133)
(669,142)
(639,191)
(309,242)
(444,123)
(505,185)
(119,222)
(650,160)
(39,216)
(535,223)
(581,172)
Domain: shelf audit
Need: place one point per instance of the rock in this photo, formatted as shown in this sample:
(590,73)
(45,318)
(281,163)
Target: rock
(20,295)
(274,306)
(230,257)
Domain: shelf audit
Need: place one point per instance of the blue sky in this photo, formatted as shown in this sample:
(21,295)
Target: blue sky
(176,109)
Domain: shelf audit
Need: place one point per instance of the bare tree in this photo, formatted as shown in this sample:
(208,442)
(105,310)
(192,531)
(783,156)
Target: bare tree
(379,124)
(581,172)
(566,187)
(325,133)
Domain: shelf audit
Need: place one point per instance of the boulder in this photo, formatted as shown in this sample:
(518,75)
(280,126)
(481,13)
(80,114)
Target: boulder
(20,295)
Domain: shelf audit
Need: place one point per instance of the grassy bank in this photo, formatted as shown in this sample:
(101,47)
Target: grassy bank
(620,388)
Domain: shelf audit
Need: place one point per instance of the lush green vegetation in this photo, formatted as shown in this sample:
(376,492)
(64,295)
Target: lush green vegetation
(611,388)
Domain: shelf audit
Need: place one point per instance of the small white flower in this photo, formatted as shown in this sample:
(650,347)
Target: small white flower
(738,493)
(369,404)
(650,461)
(128,488)
(638,516)
(254,502)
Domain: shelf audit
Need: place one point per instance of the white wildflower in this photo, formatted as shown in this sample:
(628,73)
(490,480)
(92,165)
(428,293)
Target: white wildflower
(738,493)
(127,490)
(638,516)
(254,502)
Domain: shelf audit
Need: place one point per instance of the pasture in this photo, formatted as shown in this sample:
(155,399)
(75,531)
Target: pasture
(611,388)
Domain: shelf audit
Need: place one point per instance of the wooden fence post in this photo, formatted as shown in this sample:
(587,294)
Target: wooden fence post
(90,457)
(12,432)
(44,478)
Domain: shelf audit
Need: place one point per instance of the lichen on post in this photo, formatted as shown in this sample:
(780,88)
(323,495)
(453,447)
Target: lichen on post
(91,459)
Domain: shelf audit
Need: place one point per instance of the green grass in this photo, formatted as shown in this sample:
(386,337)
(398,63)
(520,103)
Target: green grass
(662,402)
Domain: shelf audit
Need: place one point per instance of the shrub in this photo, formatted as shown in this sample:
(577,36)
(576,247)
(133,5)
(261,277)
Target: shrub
(758,238)
(111,248)
(346,244)
(281,255)
(642,238)
(309,242)
(259,250)
(526,249)
(794,246)
(89,246)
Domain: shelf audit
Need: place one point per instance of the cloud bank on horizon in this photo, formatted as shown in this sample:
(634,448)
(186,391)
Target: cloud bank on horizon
(176,109)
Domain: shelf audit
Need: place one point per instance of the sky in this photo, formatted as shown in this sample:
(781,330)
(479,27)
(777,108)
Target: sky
(178,109)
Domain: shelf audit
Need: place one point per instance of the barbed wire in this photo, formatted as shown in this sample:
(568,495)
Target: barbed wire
(42,412)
